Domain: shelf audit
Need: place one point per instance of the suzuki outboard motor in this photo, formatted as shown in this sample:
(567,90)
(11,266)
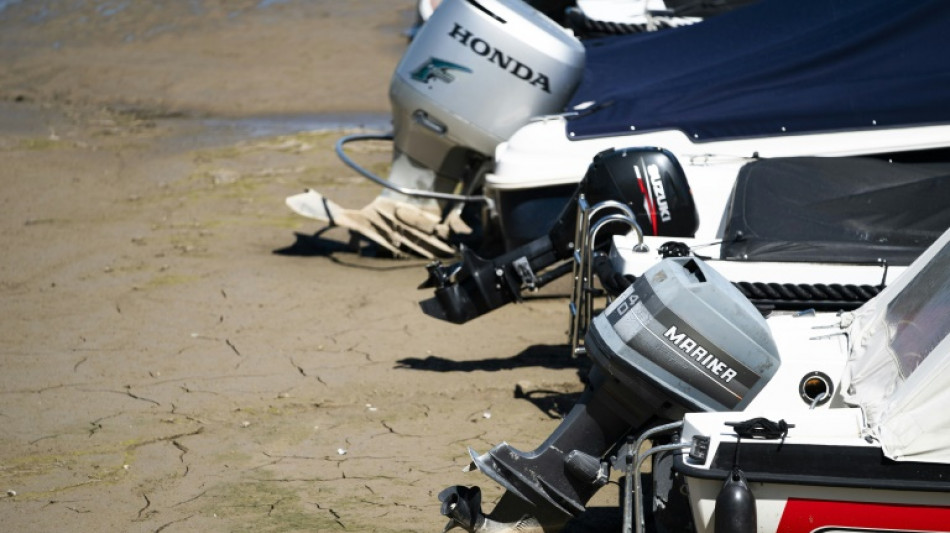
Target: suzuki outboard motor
(474,73)
(648,180)
(680,339)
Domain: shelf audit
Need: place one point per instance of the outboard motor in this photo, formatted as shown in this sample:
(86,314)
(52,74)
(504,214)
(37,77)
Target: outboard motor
(473,74)
(648,180)
(680,339)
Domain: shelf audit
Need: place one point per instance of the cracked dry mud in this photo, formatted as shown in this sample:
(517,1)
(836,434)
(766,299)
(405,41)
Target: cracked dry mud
(179,352)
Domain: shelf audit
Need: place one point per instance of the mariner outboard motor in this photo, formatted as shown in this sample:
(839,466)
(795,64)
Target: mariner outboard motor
(681,338)
(650,181)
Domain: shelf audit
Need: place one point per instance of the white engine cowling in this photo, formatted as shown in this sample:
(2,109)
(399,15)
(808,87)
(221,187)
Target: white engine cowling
(476,72)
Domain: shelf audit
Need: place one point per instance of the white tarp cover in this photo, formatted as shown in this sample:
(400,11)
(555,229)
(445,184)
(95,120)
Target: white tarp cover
(899,366)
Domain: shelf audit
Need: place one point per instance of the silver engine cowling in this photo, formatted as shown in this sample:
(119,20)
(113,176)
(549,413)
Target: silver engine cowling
(475,73)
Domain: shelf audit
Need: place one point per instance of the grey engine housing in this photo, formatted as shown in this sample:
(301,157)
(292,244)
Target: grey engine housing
(686,332)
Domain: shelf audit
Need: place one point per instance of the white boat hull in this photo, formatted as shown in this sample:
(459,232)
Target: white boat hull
(817,503)
(541,155)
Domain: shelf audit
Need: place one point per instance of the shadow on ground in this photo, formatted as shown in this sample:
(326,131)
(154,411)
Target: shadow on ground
(555,357)
(554,403)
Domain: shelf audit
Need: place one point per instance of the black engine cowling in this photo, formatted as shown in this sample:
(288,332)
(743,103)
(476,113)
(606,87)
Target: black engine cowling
(649,180)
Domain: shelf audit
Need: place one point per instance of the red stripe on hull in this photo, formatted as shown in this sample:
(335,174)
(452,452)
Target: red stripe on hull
(806,516)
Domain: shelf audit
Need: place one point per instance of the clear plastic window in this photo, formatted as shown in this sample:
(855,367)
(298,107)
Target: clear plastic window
(919,317)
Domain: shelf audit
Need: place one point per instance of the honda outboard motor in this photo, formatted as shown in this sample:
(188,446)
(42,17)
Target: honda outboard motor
(648,180)
(680,339)
(473,74)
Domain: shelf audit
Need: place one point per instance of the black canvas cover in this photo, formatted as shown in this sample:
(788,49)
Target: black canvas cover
(851,210)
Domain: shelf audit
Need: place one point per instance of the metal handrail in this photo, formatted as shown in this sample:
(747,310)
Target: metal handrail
(581,305)
(638,462)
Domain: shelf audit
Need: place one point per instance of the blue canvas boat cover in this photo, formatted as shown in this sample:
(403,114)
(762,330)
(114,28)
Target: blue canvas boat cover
(776,67)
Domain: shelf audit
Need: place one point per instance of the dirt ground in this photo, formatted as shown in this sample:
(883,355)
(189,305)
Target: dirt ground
(180,352)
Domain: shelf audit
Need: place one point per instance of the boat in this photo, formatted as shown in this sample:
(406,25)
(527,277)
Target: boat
(447,121)
(752,422)
(814,78)
(817,78)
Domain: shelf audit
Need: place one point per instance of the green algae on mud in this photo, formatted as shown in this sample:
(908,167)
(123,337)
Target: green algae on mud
(268,505)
